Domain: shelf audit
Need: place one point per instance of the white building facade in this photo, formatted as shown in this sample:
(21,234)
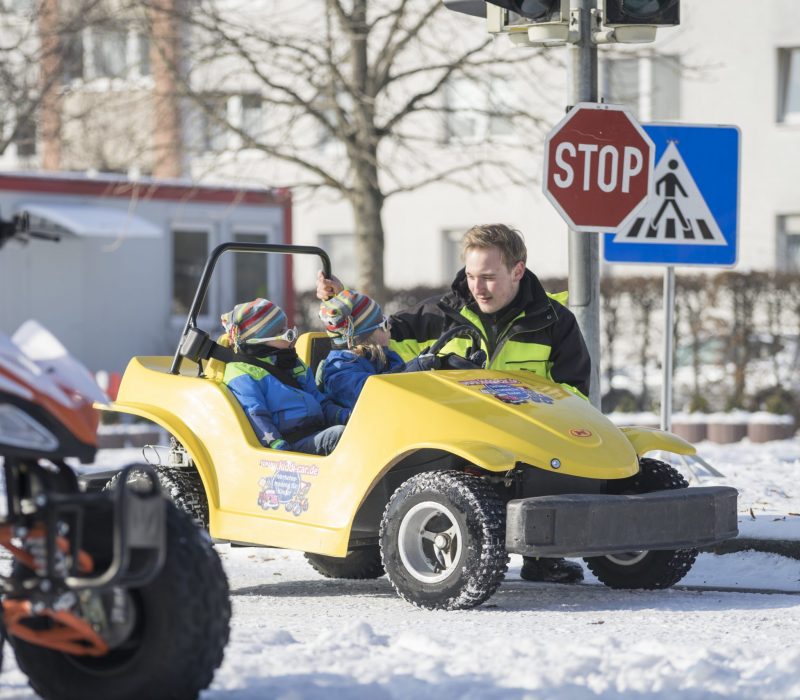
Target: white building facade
(728,63)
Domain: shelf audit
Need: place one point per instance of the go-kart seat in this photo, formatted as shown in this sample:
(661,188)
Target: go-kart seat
(214,369)
(320,347)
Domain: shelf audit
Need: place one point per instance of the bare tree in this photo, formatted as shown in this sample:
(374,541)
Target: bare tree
(644,295)
(372,78)
(611,298)
(693,300)
(742,291)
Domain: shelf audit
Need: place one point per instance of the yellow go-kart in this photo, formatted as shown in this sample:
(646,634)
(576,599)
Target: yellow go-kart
(437,477)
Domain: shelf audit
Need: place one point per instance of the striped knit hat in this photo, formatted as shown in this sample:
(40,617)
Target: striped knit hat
(253,321)
(348,315)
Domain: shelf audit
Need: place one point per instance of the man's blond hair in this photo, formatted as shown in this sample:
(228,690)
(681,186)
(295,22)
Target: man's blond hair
(507,240)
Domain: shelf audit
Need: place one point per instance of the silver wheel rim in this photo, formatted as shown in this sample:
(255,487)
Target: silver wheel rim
(627,558)
(430,541)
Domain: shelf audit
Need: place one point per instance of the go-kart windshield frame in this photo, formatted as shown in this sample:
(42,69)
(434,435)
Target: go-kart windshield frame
(205,278)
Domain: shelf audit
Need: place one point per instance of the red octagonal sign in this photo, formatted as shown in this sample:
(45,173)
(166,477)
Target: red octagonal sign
(598,167)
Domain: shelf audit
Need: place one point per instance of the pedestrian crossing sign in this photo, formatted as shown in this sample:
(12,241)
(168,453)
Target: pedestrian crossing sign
(692,217)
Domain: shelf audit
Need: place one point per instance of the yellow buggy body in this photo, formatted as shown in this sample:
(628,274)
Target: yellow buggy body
(397,415)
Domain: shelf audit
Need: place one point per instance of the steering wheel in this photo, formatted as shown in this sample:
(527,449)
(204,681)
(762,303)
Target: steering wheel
(454,332)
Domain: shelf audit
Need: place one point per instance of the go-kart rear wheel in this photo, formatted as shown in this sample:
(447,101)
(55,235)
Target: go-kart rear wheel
(182,486)
(179,633)
(645,569)
(443,540)
(361,563)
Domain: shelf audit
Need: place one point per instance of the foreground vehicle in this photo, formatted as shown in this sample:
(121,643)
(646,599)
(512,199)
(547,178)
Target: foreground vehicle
(437,477)
(114,595)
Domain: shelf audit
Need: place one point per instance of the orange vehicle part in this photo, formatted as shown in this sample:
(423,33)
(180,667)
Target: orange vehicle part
(85,561)
(81,419)
(70,633)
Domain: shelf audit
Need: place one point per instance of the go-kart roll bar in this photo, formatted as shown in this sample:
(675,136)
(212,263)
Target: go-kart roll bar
(205,278)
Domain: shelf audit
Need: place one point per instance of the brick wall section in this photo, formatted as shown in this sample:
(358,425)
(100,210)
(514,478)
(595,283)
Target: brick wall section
(166,60)
(50,135)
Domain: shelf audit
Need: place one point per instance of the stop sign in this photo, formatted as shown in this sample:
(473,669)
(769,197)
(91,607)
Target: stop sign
(598,167)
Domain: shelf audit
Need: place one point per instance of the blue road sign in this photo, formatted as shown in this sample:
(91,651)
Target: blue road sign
(693,216)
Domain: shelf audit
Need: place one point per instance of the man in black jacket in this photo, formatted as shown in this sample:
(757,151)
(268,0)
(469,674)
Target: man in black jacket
(523,328)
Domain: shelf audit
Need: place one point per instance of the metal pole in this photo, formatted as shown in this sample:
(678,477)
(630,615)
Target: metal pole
(584,259)
(669,315)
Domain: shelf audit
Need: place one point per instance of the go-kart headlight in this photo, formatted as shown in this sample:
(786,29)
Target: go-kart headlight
(18,429)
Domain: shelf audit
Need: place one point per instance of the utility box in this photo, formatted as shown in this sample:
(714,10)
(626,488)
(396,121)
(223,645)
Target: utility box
(119,281)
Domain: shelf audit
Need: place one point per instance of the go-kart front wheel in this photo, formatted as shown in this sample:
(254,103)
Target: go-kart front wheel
(443,540)
(182,486)
(176,642)
(645,569)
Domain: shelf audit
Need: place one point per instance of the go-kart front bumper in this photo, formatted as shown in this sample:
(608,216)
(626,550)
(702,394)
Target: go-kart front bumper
(580,525)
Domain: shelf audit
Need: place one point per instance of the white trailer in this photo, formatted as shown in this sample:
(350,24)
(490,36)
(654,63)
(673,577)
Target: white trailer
(123,273)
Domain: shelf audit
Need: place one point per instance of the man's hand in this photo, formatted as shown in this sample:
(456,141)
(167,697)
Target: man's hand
(327,288)
(453,361)
(422,363)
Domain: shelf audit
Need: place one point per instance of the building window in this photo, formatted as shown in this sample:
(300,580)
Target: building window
(341,249)
(789,88)
(106,52)
(72,58)
(478,110)
(141,51)
(788,247)
(214,123)
(622,82)
(19,7)
(189,253)
(344,103)
(451,253)
(252,116)
(251,270)
(25,136)
(649,86)
(109,52)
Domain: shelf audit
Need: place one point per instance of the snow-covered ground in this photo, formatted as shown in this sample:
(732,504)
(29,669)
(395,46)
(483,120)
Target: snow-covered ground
(298,636)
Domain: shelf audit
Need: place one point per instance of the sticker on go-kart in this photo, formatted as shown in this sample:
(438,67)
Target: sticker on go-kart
(511,391)
(285,487)
(580,432)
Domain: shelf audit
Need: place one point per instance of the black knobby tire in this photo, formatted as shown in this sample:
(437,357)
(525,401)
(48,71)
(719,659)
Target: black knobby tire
(651,569)
(361,563)
(181,485)
(182,627)
(472,521)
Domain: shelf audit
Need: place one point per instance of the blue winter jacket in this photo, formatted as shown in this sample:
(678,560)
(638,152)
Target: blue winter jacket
(343,374)
(276,409)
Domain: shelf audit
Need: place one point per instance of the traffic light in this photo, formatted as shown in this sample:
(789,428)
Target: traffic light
(535,10)
(547,22)
(477,8)
(662,13)
(527,22)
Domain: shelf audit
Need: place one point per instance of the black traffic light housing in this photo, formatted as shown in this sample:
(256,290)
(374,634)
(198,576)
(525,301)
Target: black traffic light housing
(476,8)
(533,10)
(528,11)
(662,13)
